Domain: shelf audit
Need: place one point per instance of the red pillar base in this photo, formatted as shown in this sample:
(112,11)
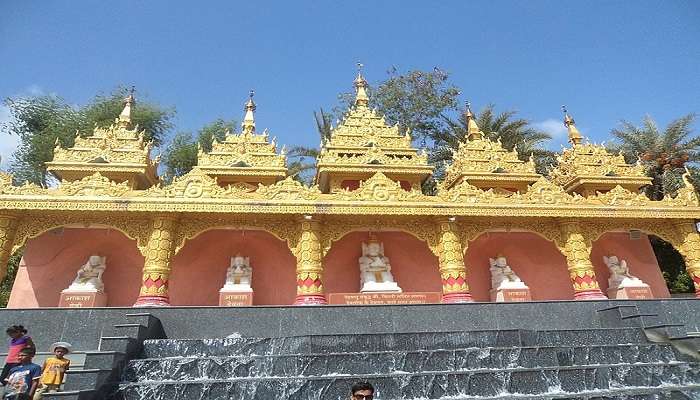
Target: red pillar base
(457,298)
(594,294)
(310,300)
(152,301)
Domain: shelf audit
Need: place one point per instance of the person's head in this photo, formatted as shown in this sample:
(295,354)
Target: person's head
(16,331)
(25,356)
(59,351)
(362,391)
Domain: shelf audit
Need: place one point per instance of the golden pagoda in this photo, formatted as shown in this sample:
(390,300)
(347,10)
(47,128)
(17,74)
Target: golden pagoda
(363,144)
(117,153)
(587,168)
(244,159)
(485,164)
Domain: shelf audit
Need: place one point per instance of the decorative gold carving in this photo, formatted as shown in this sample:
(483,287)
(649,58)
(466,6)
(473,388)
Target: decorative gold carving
(379,188)
(453,271)
(577,250)
(688,244)
(620,196)
(308,253)
(156,268)
(686,196)
(545,191)
(288,189)
(8,226)
(93,185)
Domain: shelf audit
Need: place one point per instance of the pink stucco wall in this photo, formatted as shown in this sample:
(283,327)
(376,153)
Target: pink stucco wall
(639,256)
(535,260)
(52,259)
(413,265)
(199,269)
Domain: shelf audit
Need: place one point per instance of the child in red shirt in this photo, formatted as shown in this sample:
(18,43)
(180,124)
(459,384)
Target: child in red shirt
(19,340)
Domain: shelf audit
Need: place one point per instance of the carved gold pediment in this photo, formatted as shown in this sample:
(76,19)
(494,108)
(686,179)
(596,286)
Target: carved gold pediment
(466,193)
(545,191)
(193,185)
(288,189)
(619,196)
(93,185)
(593,160)
(380,188)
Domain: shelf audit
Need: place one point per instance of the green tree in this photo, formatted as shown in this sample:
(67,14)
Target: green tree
(301,159)
(664,154)
(180,154)
(514,133)
(9,280)
(40,121)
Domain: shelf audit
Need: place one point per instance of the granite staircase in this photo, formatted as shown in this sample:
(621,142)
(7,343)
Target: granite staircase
(600,363)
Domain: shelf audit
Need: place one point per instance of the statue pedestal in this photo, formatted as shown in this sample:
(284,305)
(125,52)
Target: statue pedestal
(511,294)
(235,297)
(631,292)
(75,299)
(383,287)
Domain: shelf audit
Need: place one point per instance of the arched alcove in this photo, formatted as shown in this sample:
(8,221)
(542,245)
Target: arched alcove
(638,253)
(52,259)
(414,266)
(199,268)
(534,259)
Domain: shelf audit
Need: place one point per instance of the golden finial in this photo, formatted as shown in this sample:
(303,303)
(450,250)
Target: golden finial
(574,135)
(361,98)
(125,117)
(473,131)
(249,119)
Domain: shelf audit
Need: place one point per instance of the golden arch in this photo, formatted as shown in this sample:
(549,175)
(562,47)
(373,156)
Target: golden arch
(187,235)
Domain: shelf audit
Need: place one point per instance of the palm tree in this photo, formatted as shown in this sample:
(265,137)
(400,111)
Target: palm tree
(302,162)
(514,133)
(665,154)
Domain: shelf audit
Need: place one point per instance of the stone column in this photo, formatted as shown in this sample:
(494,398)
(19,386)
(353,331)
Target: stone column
(689,247)
(578,257)
(8,226)
(156,268)
(309,266)
(453,271)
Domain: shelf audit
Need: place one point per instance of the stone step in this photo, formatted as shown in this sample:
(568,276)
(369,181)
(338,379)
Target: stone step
(211,367)
(388,341)
(428,385)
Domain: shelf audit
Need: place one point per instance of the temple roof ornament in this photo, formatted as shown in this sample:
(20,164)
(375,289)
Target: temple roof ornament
(117,152)
(486,164)
(588,168)
(246,158)
(363,144)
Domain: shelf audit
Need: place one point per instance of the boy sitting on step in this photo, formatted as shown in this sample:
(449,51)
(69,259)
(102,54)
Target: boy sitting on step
(54,370)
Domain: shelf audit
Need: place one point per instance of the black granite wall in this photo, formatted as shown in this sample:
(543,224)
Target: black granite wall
(83,327)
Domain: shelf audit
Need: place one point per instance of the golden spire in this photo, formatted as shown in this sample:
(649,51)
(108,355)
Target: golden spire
(361,98)
(249,119)
(125,117)
(473,131)
(574,135)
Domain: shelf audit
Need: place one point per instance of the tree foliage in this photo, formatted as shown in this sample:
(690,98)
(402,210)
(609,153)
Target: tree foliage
(302,159)
(664,154)
(180,155)
(41,121)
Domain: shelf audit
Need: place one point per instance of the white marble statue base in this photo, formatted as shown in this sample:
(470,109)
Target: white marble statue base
(639,291)
(513,293)
(386,287)
(236,287)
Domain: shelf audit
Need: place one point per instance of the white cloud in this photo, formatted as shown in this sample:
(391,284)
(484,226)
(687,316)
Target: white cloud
(8,143)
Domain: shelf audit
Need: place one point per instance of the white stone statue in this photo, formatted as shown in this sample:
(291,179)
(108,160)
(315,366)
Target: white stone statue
(620,276)
(89,276)
(502,276)
(239,274)
(375,269)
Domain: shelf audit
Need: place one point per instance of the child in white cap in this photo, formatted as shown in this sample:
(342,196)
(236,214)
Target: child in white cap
(54,370)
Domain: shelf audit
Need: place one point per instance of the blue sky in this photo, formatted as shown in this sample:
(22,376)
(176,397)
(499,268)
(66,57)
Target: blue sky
(607,60)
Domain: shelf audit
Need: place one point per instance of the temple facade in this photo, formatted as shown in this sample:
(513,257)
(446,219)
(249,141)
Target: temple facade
(236,230)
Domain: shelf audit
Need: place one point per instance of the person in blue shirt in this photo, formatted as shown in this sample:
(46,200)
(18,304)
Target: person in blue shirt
(24,378)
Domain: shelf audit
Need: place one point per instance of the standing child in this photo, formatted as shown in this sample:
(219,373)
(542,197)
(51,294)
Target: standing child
(18,341)
(24,378)
(54,370)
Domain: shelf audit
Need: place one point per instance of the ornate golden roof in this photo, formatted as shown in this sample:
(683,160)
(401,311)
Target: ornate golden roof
(363,144)
(117,153)
(588,168)
(246,158)
(486,164)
